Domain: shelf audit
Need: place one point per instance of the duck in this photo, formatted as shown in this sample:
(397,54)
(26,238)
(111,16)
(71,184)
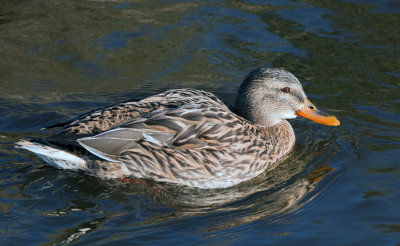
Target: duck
(186,137)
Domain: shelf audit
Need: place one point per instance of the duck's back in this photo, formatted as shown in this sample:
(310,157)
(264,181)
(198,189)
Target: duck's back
(104,119)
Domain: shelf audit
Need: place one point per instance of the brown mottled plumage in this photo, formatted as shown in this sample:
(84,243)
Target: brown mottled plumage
(183,136)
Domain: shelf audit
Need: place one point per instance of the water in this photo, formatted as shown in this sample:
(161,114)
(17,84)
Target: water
(340,185)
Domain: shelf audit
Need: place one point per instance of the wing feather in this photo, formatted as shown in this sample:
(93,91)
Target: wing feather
(189,126)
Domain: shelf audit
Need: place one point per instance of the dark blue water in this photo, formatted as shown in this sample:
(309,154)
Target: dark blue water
(339,186)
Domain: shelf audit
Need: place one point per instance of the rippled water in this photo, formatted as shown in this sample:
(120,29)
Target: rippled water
(339,186)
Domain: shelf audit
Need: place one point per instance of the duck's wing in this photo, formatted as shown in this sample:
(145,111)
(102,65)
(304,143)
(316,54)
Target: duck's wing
(99,120)
(104,119)
(189,126)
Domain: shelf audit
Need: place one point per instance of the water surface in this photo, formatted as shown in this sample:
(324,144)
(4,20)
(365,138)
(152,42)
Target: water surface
(340,185)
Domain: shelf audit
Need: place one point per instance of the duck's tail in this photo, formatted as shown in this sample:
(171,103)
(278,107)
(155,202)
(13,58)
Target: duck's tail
(55,157)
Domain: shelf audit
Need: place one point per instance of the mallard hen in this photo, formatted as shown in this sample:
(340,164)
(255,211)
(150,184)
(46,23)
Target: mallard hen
(186,136)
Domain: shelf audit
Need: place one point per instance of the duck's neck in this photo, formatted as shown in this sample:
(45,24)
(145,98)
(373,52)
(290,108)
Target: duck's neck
(281,137)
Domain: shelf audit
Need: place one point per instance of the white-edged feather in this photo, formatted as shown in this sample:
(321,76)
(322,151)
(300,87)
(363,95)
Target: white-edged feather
(55,157)
(96,152)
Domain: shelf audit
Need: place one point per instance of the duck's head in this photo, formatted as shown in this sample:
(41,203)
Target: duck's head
(269,95)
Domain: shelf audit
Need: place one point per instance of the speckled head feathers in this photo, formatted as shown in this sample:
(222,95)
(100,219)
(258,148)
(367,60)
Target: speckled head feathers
(262,100)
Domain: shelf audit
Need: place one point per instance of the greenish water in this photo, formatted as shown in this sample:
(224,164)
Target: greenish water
(340,185)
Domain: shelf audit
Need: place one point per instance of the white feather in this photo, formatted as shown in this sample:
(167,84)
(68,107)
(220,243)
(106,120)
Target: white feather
(53,156)
(148,137)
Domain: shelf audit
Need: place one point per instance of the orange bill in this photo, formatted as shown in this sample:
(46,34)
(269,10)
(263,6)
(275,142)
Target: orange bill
(311,112)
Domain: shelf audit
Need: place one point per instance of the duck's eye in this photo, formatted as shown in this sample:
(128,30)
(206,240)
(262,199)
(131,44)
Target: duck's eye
(286,90)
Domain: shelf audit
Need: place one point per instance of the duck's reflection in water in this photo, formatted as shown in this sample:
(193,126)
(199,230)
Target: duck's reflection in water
(276,193)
